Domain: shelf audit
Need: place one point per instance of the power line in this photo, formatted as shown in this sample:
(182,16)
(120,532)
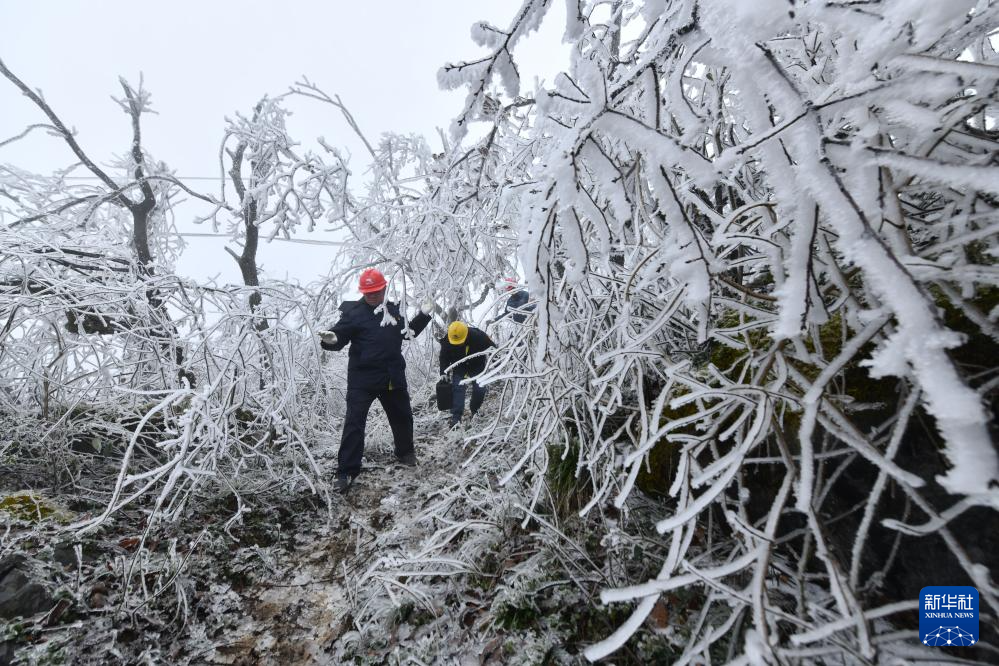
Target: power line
(170,176)
(302,241)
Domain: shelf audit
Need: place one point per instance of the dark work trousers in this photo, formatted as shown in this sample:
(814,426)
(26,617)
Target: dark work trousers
(395,402)
(458,398)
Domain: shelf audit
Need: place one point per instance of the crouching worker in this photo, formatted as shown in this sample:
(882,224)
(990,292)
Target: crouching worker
(461,342)
(373,327)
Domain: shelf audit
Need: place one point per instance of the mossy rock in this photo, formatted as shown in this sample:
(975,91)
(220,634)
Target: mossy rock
(32,508)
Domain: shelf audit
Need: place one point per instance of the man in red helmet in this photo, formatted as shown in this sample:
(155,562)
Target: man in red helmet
(374,329)
(518,307)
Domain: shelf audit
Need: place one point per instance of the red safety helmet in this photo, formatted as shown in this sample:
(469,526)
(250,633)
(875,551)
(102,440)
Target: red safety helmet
(371,281)
(510,283)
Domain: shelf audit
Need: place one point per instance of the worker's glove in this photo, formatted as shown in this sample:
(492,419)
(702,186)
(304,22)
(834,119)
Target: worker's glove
(428,307)
(328,337)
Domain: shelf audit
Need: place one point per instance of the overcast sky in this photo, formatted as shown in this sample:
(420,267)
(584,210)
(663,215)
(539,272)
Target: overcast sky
(207,59)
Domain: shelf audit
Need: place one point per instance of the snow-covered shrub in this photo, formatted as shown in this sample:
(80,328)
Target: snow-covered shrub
(161,388)
(231,399)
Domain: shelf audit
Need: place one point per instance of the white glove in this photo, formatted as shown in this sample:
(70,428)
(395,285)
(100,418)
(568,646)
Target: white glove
(428,307)
(329,337)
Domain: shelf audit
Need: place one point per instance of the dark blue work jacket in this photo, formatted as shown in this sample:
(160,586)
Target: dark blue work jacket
(517,307)
(375,361)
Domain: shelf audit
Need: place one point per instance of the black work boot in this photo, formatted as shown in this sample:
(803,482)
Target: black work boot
(409,459)
(342,483)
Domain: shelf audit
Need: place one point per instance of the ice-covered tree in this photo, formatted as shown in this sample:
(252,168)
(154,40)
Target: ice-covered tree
(278,191)
(105,352)
(78,243)
(432,220)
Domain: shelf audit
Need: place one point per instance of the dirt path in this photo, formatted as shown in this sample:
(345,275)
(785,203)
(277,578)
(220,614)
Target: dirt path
(295,615)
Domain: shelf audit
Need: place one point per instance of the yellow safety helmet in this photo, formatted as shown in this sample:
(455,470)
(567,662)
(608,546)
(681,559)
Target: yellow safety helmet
(457,332)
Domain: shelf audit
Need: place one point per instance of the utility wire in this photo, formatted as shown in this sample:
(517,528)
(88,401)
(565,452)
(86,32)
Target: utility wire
(172,176)
(302,241)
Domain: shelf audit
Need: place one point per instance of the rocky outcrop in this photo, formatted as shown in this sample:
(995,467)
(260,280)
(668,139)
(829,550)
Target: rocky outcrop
(20,594)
